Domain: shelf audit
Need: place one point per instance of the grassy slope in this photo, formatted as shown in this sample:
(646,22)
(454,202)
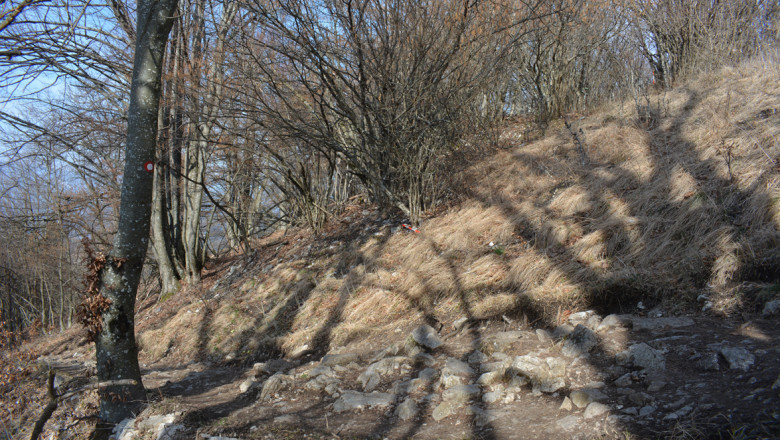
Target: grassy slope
(655,216)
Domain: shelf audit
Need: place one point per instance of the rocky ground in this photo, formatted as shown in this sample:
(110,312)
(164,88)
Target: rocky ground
(645,375)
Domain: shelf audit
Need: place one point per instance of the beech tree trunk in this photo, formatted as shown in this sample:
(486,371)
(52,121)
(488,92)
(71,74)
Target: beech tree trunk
(116,350)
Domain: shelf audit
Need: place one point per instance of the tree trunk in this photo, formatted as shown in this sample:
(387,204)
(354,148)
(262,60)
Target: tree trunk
(116,350)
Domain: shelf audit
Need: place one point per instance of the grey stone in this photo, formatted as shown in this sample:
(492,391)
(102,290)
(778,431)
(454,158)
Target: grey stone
(580,317)
(624,380)
(500,341)
(771,308)
(580,341)
(371,377)
(490,378)
(427,337)
(546,376)
(331,360)
(593,322)
(424,359)
(643,356)
(654,324)
(274,384)
(544,336)
(350,400)
(492,397)
(562,331)
(612,321)
(456,367)
(646,411)
(445,409)
(639,398)
(407,410)
(477,357)
(709,362)
(655,386)
(461,393)
(247,385)
(568,423)
(323,370)
(595,409)
(460,323)
(738,358)
(581,398)
(274,366)
(566,404)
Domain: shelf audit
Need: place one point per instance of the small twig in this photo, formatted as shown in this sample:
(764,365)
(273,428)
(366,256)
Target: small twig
(48,410)
(55,399)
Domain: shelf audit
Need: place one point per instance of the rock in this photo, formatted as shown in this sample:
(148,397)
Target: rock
(162,427)
(738,358)
(613,321)
(461,393)
(274,384)
(643,356)
(457,367)
(655,324)
(581,398)
(545,376)
(428,374)
(477,357)
(709,362)
(450,380)
(460,323)
(331,360)
(646,411)
(492,396)
(424,359)
(562,331)
(445,409)
(580,317)
(407,410)
(371,377)
(566,405)
(595,409)
(320,383)
(771,308)
(544,336)
(624,380)
(350,400)
(581,340)
(427,337)
(568,423)
(502,340)
(322,370)
(490,378)
(273,366)
(639,398)
(247,385)
(655,386)
(593,322)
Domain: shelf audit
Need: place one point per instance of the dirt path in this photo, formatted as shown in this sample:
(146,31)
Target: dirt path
(641,377)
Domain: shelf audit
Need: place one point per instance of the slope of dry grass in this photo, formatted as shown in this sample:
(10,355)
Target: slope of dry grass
(679,201)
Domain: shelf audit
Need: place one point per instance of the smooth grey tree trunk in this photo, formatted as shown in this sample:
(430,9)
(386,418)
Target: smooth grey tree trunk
(116,350)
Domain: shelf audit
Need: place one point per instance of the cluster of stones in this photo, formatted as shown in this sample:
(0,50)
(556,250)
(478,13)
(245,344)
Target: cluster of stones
(416,378)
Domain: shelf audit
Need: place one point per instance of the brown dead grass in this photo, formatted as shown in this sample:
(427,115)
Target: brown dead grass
(665,213)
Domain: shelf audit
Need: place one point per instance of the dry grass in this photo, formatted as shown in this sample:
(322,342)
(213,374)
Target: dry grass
(689,204)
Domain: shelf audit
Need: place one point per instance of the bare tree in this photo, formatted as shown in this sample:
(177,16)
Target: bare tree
(116,350)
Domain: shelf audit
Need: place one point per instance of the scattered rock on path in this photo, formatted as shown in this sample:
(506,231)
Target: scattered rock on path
(350,400)
(580,341)
(595,409)
(771,308)
(738,358)
(427,337)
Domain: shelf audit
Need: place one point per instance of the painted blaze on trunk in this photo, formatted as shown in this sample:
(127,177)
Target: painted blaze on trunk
(117,353)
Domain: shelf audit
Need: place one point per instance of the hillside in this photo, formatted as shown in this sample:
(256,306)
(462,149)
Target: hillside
(671,209)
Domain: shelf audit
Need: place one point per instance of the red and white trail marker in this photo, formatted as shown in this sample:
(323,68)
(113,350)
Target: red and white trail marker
(149,166)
